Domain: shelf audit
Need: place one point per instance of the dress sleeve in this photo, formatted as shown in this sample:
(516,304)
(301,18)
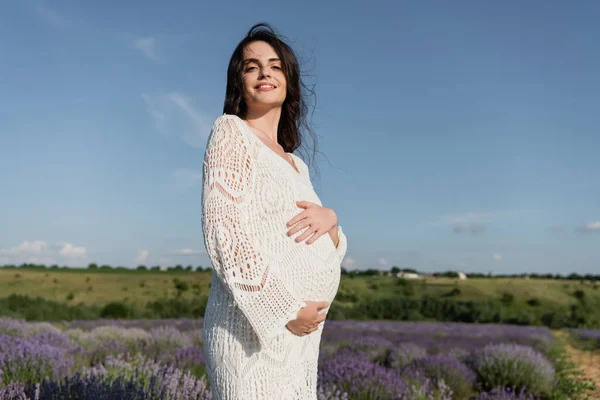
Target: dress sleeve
(228,180)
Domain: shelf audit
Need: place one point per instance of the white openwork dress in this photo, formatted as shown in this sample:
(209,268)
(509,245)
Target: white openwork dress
(261,276)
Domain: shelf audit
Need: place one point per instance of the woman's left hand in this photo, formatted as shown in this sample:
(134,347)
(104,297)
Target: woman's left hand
(319,221)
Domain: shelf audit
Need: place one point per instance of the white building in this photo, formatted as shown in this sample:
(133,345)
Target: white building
(407,275)
(462,276)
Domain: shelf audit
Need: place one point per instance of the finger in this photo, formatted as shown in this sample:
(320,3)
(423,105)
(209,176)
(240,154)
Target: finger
(296,219)
(298,227)
(304,203)
(322,304)
(321,317)
(306,234)
(314,237)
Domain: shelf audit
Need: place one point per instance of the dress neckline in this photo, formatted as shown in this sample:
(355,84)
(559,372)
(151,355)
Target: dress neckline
(294,168)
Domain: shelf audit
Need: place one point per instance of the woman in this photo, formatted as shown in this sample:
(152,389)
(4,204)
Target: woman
(276,252)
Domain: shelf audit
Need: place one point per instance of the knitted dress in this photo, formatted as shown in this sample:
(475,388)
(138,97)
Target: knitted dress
(261,276)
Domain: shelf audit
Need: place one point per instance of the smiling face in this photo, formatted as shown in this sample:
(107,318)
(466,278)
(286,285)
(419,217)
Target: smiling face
(263,78)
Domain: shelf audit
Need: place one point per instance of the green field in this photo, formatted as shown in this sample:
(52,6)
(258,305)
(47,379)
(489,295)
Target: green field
(140,287)
(554,303)
(99,288)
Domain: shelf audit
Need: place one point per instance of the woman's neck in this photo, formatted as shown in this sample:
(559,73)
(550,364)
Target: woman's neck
(265,121)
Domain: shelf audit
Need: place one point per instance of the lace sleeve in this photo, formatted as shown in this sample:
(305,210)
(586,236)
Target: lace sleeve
(229,171)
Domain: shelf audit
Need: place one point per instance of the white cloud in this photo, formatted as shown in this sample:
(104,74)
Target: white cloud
(142,257)
(147,45)
(187,252)
(348,262)
(383,261)
(70,251)
(590,227)
(175,114)
(497,257)
(26,248)
(40,252)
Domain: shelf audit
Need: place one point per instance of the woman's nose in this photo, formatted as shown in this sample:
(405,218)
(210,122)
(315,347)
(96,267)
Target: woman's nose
(264,72)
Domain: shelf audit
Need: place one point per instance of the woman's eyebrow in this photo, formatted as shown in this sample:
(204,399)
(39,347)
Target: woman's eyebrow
(255,60)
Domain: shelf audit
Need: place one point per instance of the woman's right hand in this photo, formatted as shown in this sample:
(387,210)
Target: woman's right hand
(308,318)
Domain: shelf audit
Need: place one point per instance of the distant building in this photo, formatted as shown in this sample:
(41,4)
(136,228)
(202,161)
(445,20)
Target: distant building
(462,276)
(407,275)
(164,269)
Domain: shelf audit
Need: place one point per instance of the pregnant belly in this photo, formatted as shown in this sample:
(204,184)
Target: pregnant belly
(314,270)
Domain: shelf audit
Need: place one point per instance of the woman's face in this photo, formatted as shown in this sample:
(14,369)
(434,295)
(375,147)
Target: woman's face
(264,80)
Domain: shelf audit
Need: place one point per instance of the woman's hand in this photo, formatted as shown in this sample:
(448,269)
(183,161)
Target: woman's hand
(308,318)
(319,220)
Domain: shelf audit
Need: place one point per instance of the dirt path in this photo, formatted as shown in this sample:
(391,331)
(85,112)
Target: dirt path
(588,362)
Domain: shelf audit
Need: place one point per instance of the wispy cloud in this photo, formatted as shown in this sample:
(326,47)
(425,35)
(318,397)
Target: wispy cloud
(175,114)
(472,222)
(50,15)
(348,262)
(39,251)
(476,223)
(187,252)
(142,256)
(497,257)
(590,227)
(147,45)
(383,261)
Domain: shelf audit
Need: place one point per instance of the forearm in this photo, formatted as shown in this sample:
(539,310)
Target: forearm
(333,232)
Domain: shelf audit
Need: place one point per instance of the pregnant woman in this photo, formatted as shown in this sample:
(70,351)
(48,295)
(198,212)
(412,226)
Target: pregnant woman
(276,251)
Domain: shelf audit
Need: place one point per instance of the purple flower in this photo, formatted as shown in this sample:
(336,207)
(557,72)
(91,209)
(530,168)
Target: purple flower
(354,373)
(501,393)
(13,391)
(511,365)
(441,368)
(404,354)
(31,359)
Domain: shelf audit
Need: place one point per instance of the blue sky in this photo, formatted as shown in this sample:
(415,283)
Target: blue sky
(457,136)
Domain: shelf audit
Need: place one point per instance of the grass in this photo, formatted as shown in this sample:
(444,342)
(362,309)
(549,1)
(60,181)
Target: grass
(548,292)
(101,287)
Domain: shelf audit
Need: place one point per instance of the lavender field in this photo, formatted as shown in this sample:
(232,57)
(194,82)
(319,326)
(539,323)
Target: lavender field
(162,359)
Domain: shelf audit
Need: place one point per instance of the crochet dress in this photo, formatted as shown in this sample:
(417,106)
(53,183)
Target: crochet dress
(261,276)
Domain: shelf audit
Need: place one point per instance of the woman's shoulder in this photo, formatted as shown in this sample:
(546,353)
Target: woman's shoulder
(227,124)
(227,119)
(229,128)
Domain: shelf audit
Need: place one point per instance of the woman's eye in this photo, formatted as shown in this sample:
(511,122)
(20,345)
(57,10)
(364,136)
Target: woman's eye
(250,68)
(276,67)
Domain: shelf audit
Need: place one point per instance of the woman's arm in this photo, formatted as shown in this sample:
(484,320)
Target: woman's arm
(229,173)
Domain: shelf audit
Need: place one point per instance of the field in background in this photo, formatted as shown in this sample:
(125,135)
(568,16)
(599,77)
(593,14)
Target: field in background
(99,288)
(66,294)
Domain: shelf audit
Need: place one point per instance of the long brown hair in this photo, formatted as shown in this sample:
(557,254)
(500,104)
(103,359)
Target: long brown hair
(294,113)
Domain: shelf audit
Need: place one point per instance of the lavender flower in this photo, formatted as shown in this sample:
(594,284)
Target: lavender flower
(501,393)
(354,373)
(441,368)
(511,365)
(404,354)
(32,360)
(13,391)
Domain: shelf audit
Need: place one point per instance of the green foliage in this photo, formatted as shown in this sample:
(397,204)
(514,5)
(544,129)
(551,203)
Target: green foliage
(181,286)
(507,298)
(39,309)
(117,309)
(534,302)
